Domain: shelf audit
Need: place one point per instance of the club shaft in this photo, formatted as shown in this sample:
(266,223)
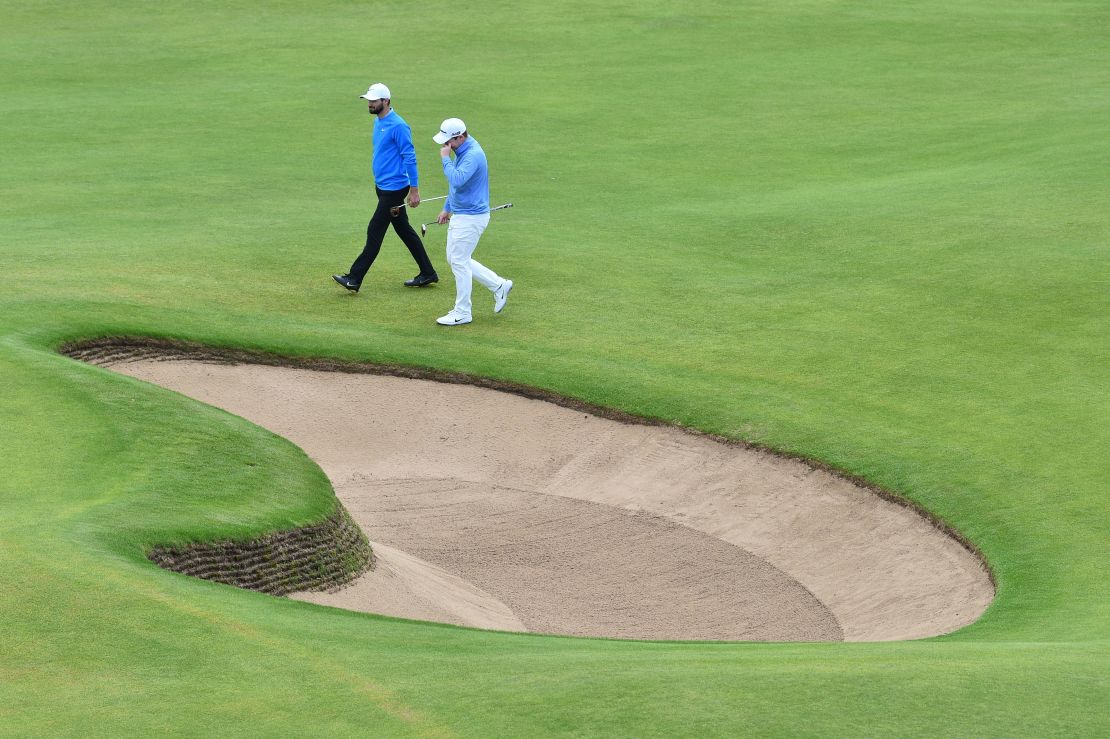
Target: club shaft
(424,226)
(423,200)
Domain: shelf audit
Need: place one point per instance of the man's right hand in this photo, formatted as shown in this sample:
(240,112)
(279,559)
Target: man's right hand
(443,217)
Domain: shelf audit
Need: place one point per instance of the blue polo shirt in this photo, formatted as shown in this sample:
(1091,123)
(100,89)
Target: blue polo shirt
(468,180)
(394,155)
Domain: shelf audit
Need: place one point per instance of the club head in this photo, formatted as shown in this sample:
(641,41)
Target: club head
(423,229)
(394,211)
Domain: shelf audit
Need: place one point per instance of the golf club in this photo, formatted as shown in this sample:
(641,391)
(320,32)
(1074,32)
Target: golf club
(397,208)
(424,226)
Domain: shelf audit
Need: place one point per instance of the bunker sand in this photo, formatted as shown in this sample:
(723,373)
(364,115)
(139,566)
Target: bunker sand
(496,511)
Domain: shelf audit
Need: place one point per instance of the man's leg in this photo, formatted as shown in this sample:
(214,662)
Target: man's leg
(463,232)
(485,276)
(495,283)
(412,240)
(375,232)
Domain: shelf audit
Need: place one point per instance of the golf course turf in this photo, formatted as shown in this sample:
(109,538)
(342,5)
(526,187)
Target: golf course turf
(873,236)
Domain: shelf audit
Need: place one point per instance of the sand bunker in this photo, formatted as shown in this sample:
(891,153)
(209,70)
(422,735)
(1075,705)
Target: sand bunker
(492,510)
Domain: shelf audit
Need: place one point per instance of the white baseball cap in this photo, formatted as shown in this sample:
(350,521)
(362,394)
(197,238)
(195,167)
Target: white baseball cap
(449,129)
(377,91)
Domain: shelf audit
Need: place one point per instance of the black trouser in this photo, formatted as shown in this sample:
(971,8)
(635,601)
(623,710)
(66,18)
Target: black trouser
(375,233)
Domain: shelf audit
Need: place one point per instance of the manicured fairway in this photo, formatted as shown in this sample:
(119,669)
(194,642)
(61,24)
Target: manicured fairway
(875,235)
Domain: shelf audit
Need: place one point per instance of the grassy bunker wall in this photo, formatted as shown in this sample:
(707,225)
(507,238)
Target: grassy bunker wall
(324,556)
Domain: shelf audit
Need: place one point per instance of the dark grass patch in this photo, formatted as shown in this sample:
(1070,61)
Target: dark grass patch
(324,556)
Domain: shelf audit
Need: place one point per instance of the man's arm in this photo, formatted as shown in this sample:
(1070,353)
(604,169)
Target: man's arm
(408,157)
(458,174)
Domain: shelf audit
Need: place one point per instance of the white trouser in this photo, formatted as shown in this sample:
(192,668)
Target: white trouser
(463,232)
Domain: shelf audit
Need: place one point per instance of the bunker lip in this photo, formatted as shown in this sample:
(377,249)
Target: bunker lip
(733,517)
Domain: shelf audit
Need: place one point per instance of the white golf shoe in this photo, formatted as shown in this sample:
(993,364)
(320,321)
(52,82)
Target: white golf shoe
(453,319)
(501,295)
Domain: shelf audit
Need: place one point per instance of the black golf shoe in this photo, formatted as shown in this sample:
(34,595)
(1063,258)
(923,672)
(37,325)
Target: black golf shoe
(347,282)
(422,280)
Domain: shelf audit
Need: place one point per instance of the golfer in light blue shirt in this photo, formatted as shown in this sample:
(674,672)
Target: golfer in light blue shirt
(467,214)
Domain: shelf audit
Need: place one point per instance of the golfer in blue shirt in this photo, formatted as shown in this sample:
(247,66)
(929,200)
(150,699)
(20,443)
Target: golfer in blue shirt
(395,179)
(467,215)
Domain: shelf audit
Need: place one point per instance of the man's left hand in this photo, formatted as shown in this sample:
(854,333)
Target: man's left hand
(414,197)
(445,152)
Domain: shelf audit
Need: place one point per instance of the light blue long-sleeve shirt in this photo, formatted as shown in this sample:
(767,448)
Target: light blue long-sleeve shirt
(467,180)
(394,154)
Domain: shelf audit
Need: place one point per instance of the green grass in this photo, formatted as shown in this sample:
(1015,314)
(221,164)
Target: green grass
(875,235)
